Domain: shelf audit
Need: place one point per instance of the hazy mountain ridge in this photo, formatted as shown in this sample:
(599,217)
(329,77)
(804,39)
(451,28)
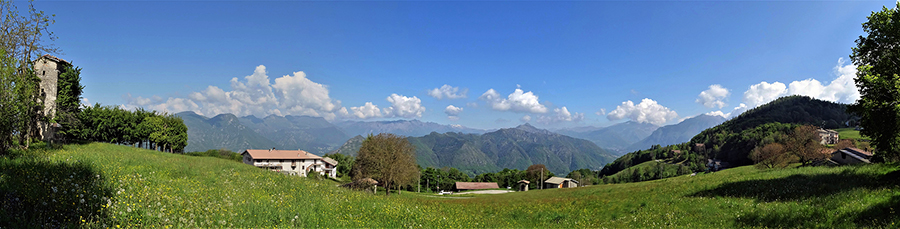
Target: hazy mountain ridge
(616,137)
(223,131)
(401,127)
(677,133)
(514,148)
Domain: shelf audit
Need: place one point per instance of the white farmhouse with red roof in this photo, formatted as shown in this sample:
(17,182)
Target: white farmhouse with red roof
(291,162)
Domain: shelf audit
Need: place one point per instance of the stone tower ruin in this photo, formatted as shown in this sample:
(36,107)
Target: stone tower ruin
(48,68)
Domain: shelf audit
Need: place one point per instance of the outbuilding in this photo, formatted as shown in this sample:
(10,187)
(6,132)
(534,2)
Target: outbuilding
(560,182)
(850,155)
(465,186)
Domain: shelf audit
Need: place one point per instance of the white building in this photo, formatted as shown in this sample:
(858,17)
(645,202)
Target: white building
(291,162)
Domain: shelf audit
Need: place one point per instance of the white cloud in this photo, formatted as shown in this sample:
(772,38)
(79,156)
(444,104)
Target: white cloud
(717,113)
(562,115)
(714,96)
(448,92)
(601,112)
(472,104)
(518,101)
(525,118)
(366,111)
(647,111)
(842,89)
(763,92)
(405,107)
(299,95)
(254,95)
(453,112)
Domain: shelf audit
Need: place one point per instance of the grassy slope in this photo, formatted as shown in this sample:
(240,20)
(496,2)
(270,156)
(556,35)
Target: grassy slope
(850,133)
(145,188)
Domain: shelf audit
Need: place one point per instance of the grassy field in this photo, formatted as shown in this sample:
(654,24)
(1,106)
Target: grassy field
(850,133)
(102,185)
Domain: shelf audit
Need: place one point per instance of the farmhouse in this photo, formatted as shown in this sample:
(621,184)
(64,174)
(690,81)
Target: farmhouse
(559,182)
(828,136)
(291,162)
(465,186)
(850,155)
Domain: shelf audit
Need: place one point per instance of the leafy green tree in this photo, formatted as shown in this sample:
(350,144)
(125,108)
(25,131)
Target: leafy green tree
(387,158)
(68,102)
(7,101)
(877,56)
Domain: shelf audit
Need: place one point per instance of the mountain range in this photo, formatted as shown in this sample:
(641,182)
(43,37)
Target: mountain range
(615,138)
(514,148)
(677,133)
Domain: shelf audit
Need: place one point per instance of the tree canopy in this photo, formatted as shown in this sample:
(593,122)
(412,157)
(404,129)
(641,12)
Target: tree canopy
(878,57)
(387,158)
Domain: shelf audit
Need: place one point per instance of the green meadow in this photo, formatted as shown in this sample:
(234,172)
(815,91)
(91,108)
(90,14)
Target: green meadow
(104,185)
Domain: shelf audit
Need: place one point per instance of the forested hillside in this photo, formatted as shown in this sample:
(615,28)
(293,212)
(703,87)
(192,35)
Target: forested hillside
(735,139)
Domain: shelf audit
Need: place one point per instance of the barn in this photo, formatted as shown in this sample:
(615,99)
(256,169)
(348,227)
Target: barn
(466,186)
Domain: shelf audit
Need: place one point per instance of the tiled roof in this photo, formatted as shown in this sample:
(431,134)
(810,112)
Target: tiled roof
(280,154)
(329,161)
(476,185)
(558,180)
(53,58)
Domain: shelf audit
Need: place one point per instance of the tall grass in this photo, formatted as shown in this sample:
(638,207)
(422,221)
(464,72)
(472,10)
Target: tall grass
(127,187)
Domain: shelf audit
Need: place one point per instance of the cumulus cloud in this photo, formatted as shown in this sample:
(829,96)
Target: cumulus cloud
(525,118)
(714,96)
(842,89)
(368,110)
(561,115)
(648,111)
(601,112)
(405,107)
(518,101)
(717,113)
(449,92)
(453,112)
(254,95)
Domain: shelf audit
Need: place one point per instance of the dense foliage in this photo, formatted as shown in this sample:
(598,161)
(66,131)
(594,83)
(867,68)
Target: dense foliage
(68,101)
(387,158)
(162,132)
(21,40)
(878,81)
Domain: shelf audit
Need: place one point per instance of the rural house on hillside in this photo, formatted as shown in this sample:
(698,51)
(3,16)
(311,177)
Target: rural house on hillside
(560,182)
(291,162)
(828,136)
(850,155)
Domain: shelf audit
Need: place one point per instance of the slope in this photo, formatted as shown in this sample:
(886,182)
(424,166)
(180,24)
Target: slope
(126,187)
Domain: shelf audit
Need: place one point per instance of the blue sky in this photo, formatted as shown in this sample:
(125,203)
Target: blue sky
(554,64)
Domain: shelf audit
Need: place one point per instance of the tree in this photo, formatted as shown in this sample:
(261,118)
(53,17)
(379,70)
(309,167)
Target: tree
(7,101)
(537,173)
(68,102)
(387,158)
(878,57)
(805,143)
